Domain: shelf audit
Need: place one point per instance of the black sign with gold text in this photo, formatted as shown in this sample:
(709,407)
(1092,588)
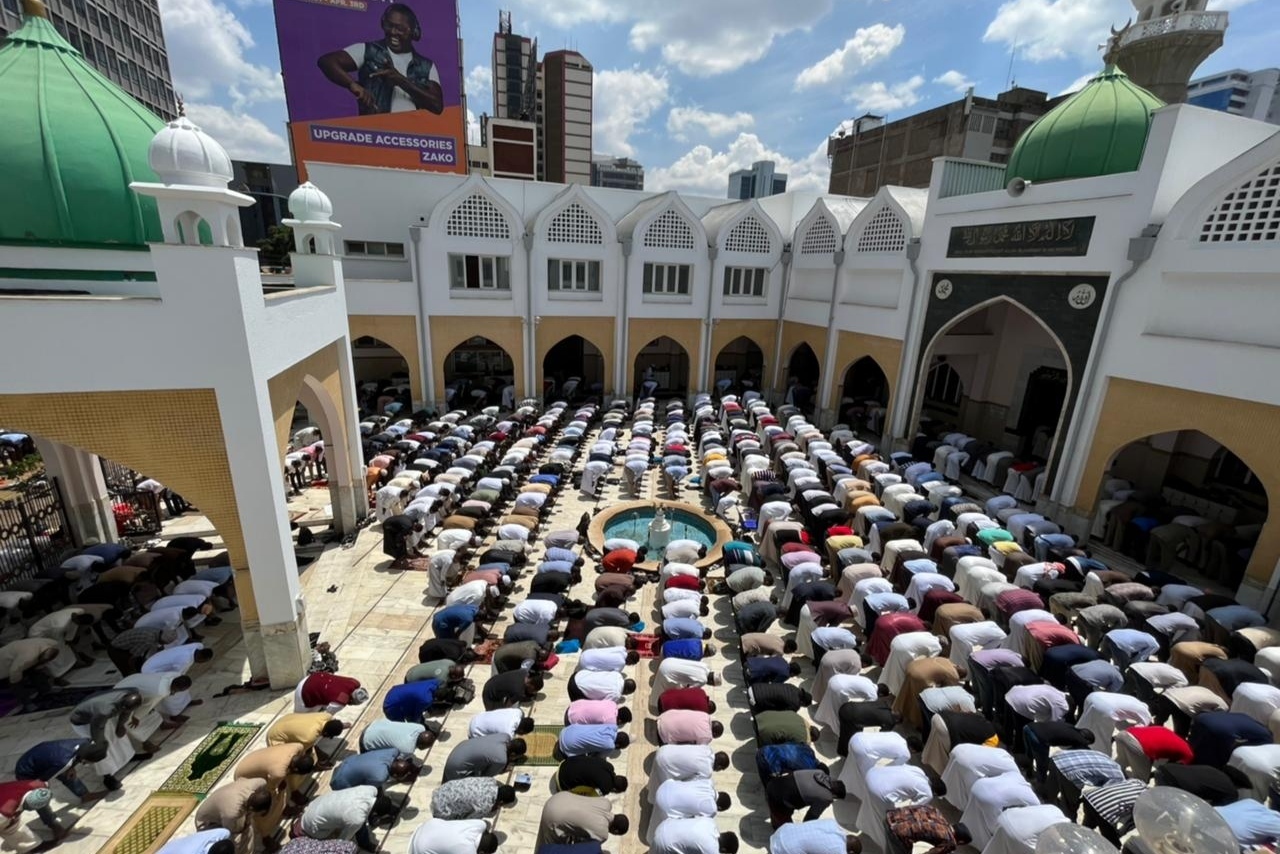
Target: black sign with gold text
(1040,238)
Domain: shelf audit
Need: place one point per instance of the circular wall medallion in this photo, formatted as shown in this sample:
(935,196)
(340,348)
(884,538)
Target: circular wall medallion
(943,289)
(1082,296)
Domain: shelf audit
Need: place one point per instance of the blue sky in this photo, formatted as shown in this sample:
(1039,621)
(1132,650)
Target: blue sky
(696,88)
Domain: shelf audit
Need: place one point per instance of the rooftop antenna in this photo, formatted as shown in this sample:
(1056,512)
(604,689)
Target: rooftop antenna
(1013,53)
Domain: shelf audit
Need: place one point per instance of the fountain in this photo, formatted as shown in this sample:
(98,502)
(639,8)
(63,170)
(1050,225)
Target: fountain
(659,531)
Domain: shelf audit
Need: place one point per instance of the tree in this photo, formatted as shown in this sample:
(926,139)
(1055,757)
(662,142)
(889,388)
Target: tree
(274,249)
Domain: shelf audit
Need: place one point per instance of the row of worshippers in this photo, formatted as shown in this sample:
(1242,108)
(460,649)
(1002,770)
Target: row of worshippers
(272,787)
(143,607)
(969,577)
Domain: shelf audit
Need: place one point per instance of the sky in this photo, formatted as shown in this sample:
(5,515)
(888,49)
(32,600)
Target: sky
(694,89)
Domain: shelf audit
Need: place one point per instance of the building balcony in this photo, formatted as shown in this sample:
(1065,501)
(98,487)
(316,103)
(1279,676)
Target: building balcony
(1183,22)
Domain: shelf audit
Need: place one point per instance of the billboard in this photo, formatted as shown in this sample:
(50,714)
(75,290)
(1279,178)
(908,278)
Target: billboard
(373,83)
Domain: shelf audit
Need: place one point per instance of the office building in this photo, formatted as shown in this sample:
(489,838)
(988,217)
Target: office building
(757,182)
(478,162)
(875,153)
(515,60)
(270,185)
(619,173)
(122,39)
(1252,94)
(565,122)
(511,148)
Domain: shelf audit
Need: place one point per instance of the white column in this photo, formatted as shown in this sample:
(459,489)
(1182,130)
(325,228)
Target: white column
(84,491)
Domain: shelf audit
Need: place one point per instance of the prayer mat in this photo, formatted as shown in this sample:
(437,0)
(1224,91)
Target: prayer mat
(211,759)
(542,745)
(485,651)
(61,699)
(647,646)
(151,824)
(418,564)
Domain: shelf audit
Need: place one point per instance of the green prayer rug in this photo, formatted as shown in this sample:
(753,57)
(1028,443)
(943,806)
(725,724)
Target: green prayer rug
(210,760)
(152,824)
(542,745)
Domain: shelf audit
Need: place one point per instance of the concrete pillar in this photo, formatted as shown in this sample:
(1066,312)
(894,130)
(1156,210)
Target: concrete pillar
(84,491)
(275,628)
(350,500)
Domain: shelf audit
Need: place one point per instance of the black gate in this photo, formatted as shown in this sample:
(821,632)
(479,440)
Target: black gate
(34,534)
(137,512)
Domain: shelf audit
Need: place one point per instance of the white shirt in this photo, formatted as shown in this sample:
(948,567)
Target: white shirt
(497,722)
(400,101)
(537,611)
(442,836)
(682,674)
(471,593)
(604,659)
(163,618)
(684,799)
(681,762)
(991,796)
(686,836)
(691,608)
(1018,829)
(600,685)
(176,660)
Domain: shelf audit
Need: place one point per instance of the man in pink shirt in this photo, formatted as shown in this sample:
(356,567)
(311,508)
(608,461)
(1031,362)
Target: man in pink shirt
(596,712)
(683,726)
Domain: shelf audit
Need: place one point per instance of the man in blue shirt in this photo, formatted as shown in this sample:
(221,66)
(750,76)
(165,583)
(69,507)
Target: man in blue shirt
(687,648)
(769,668)
(588,739)
(374,768)
(57,760)
(454,621)
(682,628)
(411,703)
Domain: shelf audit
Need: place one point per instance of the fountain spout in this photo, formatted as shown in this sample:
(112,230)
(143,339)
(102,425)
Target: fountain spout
(659,531)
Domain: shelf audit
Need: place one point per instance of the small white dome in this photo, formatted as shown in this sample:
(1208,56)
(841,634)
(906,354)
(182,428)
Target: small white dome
(309,204)
(181,153)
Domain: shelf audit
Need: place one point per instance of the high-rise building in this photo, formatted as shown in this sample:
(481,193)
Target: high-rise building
(565,121)
(515,61)
(619,173)
(757,182)
(1166,44)
(874,153)
(270,185)
(1253,94)
(120,38)
(511,148)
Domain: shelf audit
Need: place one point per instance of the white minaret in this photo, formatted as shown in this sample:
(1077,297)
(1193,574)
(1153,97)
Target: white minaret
(1163,48)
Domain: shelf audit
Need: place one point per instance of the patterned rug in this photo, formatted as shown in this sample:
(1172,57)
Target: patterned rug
(211,759)
(485,651)
(542,745)
(151,825)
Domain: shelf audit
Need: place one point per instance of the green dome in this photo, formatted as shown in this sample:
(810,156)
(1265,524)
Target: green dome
(1100,130)
(73,142)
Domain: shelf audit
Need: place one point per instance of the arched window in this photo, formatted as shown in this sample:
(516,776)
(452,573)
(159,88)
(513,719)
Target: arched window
(820,239)
(943,385)
(669,231)
(748,236)
(476,216)
(575,224)
(1249,213)
(884,233)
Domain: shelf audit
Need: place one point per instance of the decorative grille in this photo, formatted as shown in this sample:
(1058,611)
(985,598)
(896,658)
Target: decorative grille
(669,231)
(575,225)
(820,239)
(476,216)
(883,234)
(1248,214)
(748,236)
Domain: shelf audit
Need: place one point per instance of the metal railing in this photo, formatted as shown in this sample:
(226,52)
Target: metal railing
(965,177)
(1182,22)
(34,534)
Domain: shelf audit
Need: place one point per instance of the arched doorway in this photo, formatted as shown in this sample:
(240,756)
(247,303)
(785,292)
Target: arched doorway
(997,374)
(1209,503)
(573,369)
(864,396)
(739,366)
(803,373)
(479,373)
(662,367)
(382,376)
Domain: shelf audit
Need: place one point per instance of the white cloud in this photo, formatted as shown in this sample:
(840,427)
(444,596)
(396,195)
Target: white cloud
(207,45)
(700,37)
(868,46)
(1042,30)
(954,80)
(1079,83)
(243,136)
(704,171)
(480,88)
(624,101)
(1226,5)
(684,120)
(884,98)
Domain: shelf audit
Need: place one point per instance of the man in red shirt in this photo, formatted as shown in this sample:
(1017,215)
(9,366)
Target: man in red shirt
(683,582)
(327,692)
(16,798)
(691,699)
(1140,747)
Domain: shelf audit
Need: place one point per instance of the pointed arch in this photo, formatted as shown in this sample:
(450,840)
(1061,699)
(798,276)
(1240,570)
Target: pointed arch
(1208,204)
(739,365)
(476,211)
(665,363)
(753,233)
(664,222)
(818,236)
(573,215)
(884,231)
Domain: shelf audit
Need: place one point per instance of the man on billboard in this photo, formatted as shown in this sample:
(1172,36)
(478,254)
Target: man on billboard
(391,77)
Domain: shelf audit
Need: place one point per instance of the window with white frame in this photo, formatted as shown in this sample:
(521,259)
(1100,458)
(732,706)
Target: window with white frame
(479,273)
(565,276)
(744,281)
(667,279)
(374,248)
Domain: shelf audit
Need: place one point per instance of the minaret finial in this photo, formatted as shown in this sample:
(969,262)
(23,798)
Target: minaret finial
(34,9)
(182,106)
